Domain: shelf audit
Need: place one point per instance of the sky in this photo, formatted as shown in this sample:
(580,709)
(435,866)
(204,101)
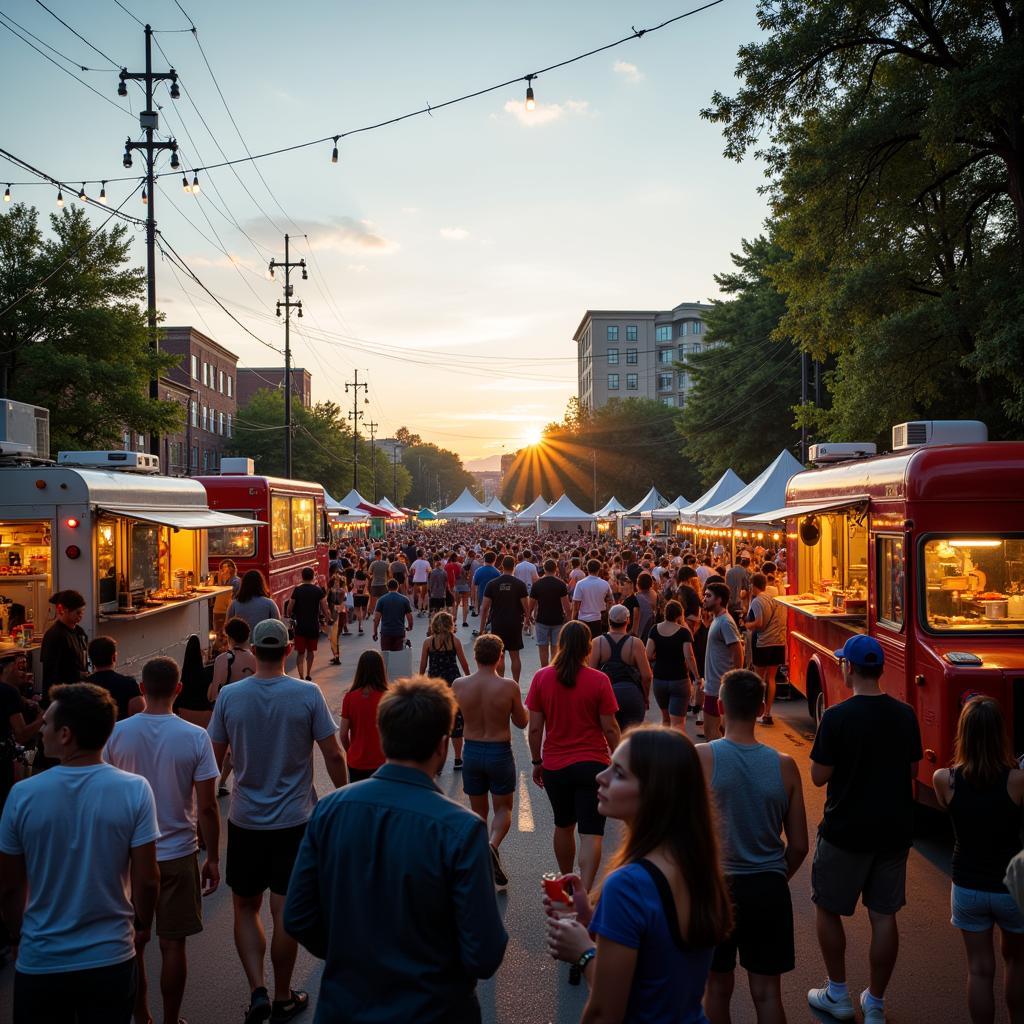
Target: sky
(450,256)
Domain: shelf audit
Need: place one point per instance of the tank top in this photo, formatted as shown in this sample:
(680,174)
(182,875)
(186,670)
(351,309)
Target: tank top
(615,667)
(752,802)
(668,654)
(442,663)
(986,826)
(646,609)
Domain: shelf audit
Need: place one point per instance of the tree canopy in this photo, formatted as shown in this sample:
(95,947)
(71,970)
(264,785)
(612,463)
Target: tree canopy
(437,475)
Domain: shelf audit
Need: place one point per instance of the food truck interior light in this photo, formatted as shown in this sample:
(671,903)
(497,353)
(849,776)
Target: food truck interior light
(71,523)
(986,542)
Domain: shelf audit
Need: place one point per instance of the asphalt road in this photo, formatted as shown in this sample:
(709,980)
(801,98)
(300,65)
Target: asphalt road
(529,988)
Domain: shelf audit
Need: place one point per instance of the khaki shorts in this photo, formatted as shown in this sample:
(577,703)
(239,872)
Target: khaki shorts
(179,908)
(840,877)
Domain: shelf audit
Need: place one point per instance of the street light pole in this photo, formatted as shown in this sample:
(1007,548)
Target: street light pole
(372,427)
(288,305)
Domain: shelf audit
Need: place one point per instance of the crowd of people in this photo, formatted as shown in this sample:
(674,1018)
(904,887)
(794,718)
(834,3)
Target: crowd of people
(392,884)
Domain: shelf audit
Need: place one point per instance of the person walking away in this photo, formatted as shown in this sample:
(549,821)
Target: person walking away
(307,607)
(983,792)
(450,933)
(361,596)
(338,614)
(487,703)
(359,734)
(392,618)
(737,579)
(227,576)
(526,572)
(193,702)
(77,946)
(766,619)
(229,666)
(670,651)
(462,588)
(420,571)
(723,652)
(622,658)
(647,606)
(400,571)
(379,569)
(866,752)
(440,658)
(124,689)
(253,601)
(20,722)
(664,905)
(759,798)
(437,587)
(177,760)
(481,578)
(271,721)
(571,733)
(549,608)
(64,647)
(506,606)
(591,599)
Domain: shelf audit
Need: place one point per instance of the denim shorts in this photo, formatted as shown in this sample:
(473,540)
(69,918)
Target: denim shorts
(672,695)
(547,635)
(975,910)
(488,767)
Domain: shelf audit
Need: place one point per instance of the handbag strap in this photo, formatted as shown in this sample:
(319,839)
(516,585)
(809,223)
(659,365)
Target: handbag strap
(668,903)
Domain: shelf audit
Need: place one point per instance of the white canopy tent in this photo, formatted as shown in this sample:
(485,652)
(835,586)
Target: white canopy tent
(391,507)
(495,505)
(670,512)
(564,514)
(528,517)
(467,507)
(355,501)
(765,492)
(333,506)
(648,503)
(724,487)
(608,510)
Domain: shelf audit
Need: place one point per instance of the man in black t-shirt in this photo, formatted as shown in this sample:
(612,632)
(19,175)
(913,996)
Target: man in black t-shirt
(63,652)
(124,689)
(307,606)
(507,602)
(866,752)
(550,608)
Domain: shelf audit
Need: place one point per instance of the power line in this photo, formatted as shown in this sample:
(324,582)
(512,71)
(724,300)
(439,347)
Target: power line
(91,46)
(142,24)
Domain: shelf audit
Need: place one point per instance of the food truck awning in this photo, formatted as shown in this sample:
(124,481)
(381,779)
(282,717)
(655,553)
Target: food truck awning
(779,515)
(182,518)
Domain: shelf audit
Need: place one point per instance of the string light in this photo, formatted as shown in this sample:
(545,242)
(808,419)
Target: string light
(334,152)
(531,103)
(184,183)
(145,198)
(175,162)
(195,184)
(122,87)
(7,194)
(103,194)
(81,195)
(60,198)
(127,159)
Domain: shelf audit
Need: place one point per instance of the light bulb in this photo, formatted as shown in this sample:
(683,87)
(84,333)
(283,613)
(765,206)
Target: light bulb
(7,194)
(175,162)
(195,184)
(271,269)
(60,198)
(278,309)
(531,103)
(122,88)
(127,161)
(81,195)
(145,198)
(334,152)
(175,91)
(103,193)
(184,183)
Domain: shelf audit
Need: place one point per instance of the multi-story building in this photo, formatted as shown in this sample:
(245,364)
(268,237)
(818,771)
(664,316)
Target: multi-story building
(631,353)
(208,373)
(257,378)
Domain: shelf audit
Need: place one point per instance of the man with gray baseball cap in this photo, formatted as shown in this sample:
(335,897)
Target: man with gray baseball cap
(271,721)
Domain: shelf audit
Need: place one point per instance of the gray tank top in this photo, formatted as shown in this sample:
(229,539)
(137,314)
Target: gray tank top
(751,797)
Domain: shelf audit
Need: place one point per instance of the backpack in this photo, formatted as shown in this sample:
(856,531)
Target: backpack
(617,670)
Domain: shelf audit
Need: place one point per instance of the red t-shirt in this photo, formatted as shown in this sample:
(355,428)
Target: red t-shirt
(360,708)
(454,570)
(572,717)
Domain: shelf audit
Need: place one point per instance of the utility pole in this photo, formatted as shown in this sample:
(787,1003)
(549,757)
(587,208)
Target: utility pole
(394,459)
(804,374)
(355,416)
(593,453)
(288,306)
(149,121)
(372,427)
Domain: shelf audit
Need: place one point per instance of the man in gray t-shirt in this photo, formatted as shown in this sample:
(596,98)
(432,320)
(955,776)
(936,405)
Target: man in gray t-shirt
(271,721)
(724,652)
(738,581)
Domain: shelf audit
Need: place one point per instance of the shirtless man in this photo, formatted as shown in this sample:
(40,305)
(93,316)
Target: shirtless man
(488,702)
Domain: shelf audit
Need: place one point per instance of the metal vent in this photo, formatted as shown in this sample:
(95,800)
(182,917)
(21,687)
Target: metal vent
(917,433)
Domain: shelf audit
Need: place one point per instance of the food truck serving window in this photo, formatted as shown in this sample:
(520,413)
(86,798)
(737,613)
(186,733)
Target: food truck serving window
(280,524)
(234,541)
(973,583)
(891,579)
(303,523)
(837,562)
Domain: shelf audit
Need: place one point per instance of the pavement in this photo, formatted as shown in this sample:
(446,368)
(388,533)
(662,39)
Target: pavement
(530,988)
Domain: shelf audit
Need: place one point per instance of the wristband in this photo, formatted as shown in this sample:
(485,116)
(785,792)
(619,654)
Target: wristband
(586,958)
(536,763)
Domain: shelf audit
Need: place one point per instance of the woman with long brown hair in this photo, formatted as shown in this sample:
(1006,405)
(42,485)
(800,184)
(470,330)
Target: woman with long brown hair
(572,710)
(983,792)
(358,732)
(665,893)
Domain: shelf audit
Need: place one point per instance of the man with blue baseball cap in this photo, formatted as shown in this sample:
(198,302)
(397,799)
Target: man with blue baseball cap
(866,752)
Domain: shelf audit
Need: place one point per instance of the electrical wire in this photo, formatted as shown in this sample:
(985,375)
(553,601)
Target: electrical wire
(141,23)
(91,46)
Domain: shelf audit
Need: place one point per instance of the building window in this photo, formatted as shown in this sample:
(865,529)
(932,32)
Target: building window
(684,350)
(613,382)
(195,413)
(683,380)
(613,334)
(664,381)
(696,327)
(682,401)
(195,368)
(230,386)
(631,332)
(665,356)
(206,419)
(663,333)
(229,422)
(220,423)
(696,347)
(206,460)
(631,356)
(668,400)
(613,357)
(632,382)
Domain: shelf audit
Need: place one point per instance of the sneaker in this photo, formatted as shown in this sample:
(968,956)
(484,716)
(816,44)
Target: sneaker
(766,720)
(458,764)
(872,1014)
(259,1007)
(500,878)
(335,661)
(841,1009)
(291,1007)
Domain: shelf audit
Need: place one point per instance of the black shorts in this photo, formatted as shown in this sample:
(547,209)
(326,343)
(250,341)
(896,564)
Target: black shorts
(572,792)
(766,656)
(261,859)
(763,925)
(360,600)
(511,638)
(436,604)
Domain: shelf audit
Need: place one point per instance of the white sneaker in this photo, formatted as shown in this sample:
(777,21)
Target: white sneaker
(872,1014)
(841,1009)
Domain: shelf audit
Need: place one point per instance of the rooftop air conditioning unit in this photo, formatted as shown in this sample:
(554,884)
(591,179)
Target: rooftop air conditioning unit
(125,462)
(918,433)
(830,452)
(24,429)
(237,467)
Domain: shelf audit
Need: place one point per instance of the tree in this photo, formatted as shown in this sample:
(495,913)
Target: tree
(739,409)
(74,334)
(895,141)
(405,437)
(437,475)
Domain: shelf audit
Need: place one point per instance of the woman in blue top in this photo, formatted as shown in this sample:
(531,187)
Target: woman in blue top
(664,906)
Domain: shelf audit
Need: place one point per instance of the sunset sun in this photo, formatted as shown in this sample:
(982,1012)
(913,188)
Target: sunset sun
(532,436)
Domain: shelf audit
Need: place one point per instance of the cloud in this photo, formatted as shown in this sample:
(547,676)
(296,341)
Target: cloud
(630,72)
(454,234)
(339,234)
(356,268)
(546,113)
(410,210)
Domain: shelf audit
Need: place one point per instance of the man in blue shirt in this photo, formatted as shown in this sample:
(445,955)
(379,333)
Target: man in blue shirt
(392,617)
(487,572)
(391,866)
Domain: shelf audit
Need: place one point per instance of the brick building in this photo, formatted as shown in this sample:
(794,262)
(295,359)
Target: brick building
(257,378)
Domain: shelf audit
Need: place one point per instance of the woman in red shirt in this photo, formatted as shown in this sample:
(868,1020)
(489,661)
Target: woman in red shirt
(572,707)
(359,734)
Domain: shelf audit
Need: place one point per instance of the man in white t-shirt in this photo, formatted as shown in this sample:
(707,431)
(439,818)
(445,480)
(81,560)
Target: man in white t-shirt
(176,759)
(77,868)
(420,572)
(591,599)
(526,571)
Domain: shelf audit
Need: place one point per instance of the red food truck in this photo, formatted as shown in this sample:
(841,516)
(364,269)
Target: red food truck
(290,530)
(923,549)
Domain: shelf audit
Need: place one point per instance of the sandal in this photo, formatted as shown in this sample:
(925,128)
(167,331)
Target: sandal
(289,1008)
